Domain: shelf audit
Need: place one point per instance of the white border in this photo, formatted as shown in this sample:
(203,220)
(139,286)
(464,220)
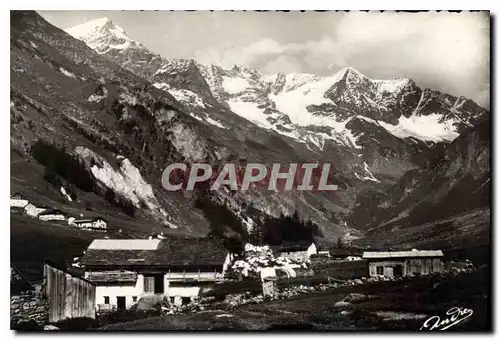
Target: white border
(201,5)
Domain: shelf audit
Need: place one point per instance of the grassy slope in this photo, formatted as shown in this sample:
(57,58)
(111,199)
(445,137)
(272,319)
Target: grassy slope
(33,241)
(469,229)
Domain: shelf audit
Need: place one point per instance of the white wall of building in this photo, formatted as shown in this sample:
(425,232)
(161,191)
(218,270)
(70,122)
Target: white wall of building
(18,203)
(300,255)
(183,291)
(127,290)
(312,250)
(84,225)
(33,211)
(55,217)
(99,224)
(137,290)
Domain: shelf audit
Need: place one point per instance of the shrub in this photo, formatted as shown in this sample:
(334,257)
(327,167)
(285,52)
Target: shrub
(58,162)
(76,324)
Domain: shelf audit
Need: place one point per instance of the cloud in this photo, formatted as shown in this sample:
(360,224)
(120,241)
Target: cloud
(445,51)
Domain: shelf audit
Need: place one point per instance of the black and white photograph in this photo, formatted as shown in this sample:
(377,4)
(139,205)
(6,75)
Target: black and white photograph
(272,171)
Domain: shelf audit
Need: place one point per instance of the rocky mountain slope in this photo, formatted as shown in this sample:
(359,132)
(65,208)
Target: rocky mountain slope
(126,113)
(383,122)
(448,199)
(125,131)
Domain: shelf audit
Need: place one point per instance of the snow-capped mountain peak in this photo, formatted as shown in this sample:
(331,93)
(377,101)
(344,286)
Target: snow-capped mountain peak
(306,107)
(103,35)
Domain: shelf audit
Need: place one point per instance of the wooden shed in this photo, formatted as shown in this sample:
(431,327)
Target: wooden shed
(269,286)
(404,263)
(69,296)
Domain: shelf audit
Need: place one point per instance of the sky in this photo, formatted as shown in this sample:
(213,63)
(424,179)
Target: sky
(449,52)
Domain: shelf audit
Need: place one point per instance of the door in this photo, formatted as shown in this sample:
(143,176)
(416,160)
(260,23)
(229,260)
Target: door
(120,303)
(158,289)
(398,270)
(153,283)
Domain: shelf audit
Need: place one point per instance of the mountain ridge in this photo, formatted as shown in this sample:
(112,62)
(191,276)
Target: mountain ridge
(246,92)
(117,104)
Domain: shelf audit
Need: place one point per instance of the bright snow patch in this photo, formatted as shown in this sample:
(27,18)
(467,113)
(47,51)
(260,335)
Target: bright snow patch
(126,181)
(214,122)
(67,73)
(294,102)
(426,128)
(295,80)
(393,86)
(187,142)
(129,99)
(195,117)
(369,176)
(65,194)
(98,34)
(162,86)
(234,85)
(249,111)
(97,98)
(186,97)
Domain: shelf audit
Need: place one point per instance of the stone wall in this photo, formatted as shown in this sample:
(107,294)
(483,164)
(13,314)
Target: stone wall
(343,269)
(24,308)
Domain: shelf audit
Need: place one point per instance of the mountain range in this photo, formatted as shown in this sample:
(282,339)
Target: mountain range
(400,153)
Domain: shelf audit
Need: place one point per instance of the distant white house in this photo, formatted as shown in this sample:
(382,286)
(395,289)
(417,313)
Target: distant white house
(97,223)
(353,258)
(52,215)
(18,201)
(297,251)
(31,210)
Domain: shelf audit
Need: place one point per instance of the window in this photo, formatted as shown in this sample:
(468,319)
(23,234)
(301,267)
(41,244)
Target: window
(380,270)
(149,284)
(106,300)
(134,298)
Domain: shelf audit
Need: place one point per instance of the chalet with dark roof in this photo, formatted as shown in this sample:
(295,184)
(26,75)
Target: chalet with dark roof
(404,263)
(126,270)
(33,210)
(96,223)
(52,215)
(300,251)
(18,200)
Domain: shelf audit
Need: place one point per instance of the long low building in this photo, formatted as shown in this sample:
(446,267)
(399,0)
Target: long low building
(125,270)
(404,263)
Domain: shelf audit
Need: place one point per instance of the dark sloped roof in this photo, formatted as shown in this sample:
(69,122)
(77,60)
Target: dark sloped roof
(324,244)
(170,252)
(112,276)
(18,196)
(52,212)
(90,219)
(291,247)
(36,205)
